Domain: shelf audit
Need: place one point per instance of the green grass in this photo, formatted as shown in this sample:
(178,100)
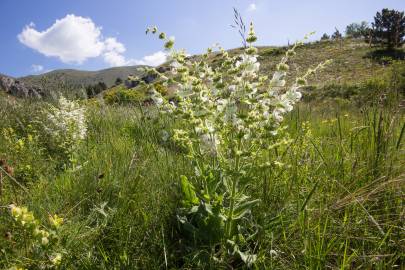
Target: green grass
(335,202)
(352,61)
(333,199)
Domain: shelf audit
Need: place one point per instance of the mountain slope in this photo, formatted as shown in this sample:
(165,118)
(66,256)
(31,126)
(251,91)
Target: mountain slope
(79,78)
(353,62)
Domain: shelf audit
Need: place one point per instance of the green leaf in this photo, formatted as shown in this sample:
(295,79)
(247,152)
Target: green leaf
(190,197)
(309,195)
(241,209)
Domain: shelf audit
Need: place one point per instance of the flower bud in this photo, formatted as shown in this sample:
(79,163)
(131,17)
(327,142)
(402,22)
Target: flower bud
(169,44)
(162,35)
(251,50)
(251,36)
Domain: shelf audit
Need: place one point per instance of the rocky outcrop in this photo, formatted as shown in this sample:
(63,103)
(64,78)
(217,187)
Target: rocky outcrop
(133,81)
(17,88)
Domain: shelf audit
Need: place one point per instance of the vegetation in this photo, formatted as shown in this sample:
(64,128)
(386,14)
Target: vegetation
(121,95)
(244,177)
(388,28)
(77,80)
(357,30)
(93,90)
(325,37)
(337,35)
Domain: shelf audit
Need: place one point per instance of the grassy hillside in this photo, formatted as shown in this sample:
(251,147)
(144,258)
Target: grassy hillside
(71,77)
(328,187)
(353,61)
(357,71)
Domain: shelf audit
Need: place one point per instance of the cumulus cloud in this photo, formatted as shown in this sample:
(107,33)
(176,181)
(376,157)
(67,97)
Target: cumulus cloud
(113,54)
(252,7)
(74,39)
(154,59)
(37,68)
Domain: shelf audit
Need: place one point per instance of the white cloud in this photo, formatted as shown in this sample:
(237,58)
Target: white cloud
(37,68)
(152,60)
(115,59)
(252,7)
(74,39)
(113,53)
(111,44)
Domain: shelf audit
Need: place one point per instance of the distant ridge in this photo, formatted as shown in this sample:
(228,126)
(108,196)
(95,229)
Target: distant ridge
(79,78)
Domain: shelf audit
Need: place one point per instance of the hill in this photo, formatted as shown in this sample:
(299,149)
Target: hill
(354,62)
(80,78)
(356,71)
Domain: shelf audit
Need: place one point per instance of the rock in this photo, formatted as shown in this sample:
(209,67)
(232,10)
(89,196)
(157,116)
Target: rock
(19,89)
(149,78)
(163,69)
(131,84)
(132,81)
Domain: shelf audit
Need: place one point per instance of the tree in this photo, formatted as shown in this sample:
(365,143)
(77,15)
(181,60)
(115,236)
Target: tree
(93,90)
(325,37)
(337,35)
(388,28)
(118,81)
(357,30)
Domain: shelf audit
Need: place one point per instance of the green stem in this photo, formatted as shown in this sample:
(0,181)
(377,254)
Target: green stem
(233,194)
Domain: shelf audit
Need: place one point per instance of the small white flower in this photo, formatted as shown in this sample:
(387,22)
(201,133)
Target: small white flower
(165,135)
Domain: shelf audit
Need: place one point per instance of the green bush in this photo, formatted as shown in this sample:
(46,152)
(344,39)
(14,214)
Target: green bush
(124,96)
(160,88)
(273,52)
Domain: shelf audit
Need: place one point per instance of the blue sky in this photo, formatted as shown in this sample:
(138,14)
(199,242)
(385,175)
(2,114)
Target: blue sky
(96,34)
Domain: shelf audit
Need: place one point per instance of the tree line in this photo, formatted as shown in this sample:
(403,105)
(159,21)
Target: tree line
(387,29)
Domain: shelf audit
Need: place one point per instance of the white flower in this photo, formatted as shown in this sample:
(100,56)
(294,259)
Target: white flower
(209,143)
(278,79)
(248,64)
(277,116)
(67,123)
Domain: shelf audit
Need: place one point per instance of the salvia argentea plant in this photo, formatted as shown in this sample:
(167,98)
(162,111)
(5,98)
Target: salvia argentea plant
(66,126)
(230,118)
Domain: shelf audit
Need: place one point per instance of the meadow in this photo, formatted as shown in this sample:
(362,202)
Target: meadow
(330,195)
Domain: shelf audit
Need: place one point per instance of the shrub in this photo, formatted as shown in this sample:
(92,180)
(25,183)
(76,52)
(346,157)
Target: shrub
(124,96)
(161,89)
